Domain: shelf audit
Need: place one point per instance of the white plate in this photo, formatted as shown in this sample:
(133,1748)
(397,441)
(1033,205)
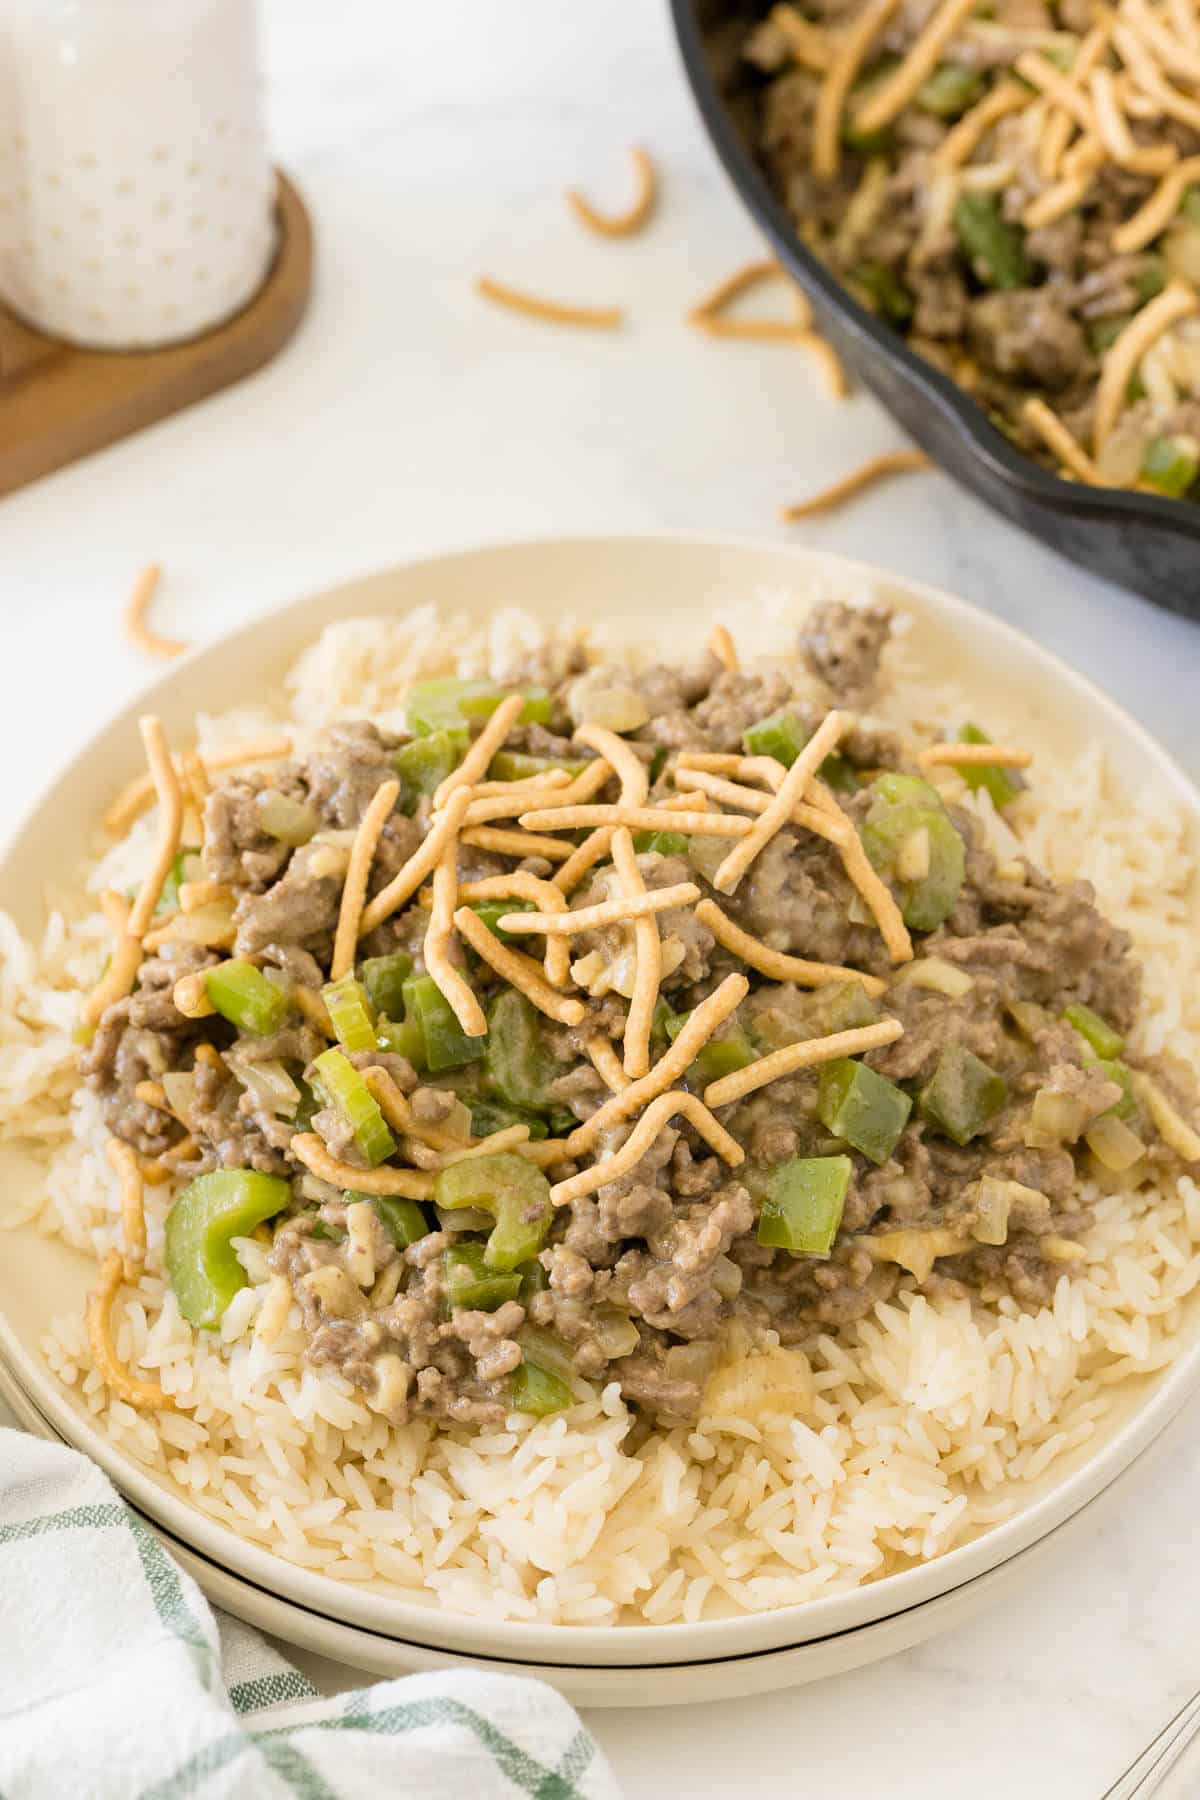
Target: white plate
(683,1683)
(660,590)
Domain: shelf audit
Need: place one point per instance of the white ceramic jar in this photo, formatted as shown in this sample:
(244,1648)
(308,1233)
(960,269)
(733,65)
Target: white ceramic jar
(136,192)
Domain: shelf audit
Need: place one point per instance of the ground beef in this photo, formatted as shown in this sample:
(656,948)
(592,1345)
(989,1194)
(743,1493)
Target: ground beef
(842,646)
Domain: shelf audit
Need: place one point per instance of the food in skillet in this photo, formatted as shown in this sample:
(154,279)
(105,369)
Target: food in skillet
(1015,186)
(618,1142)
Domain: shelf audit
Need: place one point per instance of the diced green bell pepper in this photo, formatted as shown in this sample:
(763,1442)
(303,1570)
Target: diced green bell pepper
(203,1270)
(908,790)
(1002,784)
(663,843)
(1096,1032)
(471,1286)
(1113,1069)
(864,1109)
(1102,334)
(444,704)
(243,995)
(867,143)
(887,293)
(534,1280)
(178,873)
(350,1014)
(403,1038)
(949,91)
(513,1191)
(321,1233)
(492,911)
(839,773)
(403,1220)
(383,979)
(519,1068)
(1171,464)
(518,765)
(891,823)
(1150,279)
(846,1007)
(994,247)
(802,1204)
(962,1095)
(444,1043)
(343,1088)
(425,763)
(782,735)
(720,1056)
(538,1391)
(494,1115)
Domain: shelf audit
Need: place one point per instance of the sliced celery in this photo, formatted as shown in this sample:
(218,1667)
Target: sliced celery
(444,1043)
(350,1013)
(513,1191)
(343,1088)
(202,1267)
(243,995)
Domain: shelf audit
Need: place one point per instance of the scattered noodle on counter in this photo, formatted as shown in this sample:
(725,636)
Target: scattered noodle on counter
(553,312)
(623,224)
(876,468)
(137,630)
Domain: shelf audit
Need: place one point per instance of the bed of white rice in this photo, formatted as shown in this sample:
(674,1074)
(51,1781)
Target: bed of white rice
(925,1420)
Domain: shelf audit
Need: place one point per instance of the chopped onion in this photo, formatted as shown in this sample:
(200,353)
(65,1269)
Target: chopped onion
(269,1082)
(336,838)
(727,1278)
(993,1205)
(916,1251)
(750,1386)
(546,1350)
(464,1218)
(615,1333)
(291,821)
(180,1089)
(912,856)
(1171,1127)
(1029,1018)
(1055,1119)
(1114,1144)
(707,854)
(311,1187)
(936,974)
(596,699)
(210,926)
(691,1362)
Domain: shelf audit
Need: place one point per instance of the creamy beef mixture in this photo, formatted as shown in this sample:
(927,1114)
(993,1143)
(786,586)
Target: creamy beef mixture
(1014,240)
(953,1154)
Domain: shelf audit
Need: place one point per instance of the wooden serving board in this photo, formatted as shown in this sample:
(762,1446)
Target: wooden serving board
(58,403)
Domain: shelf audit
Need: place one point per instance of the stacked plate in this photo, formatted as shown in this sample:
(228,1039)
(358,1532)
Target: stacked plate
(659,592)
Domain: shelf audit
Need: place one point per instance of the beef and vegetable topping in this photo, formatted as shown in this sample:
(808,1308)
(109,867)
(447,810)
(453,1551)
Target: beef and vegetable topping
(1015,186)
(603,1028)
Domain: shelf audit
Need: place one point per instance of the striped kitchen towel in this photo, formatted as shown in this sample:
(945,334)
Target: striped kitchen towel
(115,1683)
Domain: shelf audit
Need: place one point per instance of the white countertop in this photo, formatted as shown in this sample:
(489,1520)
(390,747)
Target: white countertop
(433,142)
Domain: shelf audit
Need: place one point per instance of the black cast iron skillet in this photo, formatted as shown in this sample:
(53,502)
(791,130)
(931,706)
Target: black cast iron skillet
(1151,545)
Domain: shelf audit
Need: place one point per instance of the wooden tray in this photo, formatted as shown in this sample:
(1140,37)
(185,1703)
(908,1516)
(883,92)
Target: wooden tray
(58,403)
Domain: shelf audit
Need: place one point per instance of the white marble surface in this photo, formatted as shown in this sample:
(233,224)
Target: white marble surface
(433,142)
